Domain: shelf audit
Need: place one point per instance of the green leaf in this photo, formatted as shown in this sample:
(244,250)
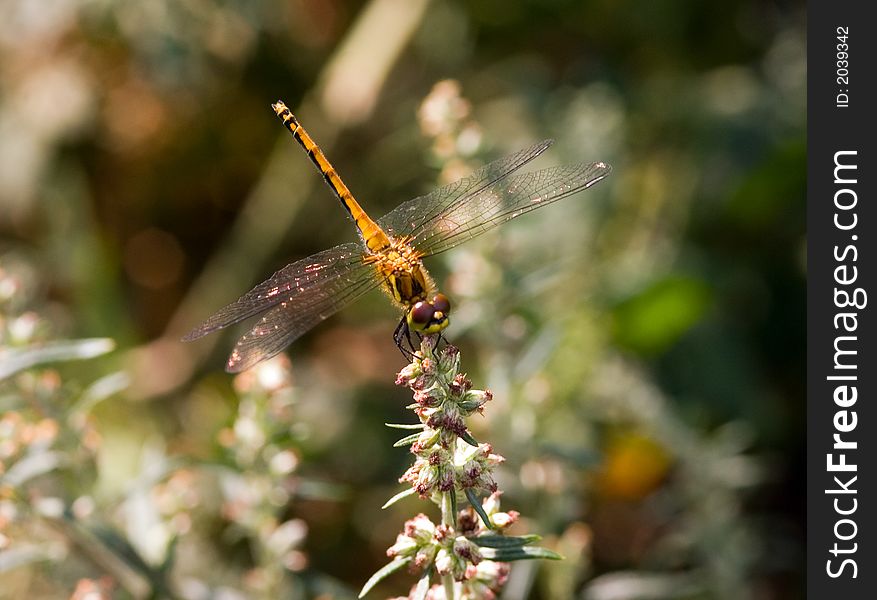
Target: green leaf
(31,466)
(503,541)
(19,359)
(467,437)
(100,390)
(522,553)
(382,573)
(407,440)
(405,425)
(403,494)
(476,504)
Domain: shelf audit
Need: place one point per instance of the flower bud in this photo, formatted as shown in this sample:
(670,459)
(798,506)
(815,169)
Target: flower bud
(467,550)
(428,397)
(470,474)
(444,562)
(421,528)
(460,385)
(448,362)
(503,519)
(446,480)
(425,555)
(426,480)
(491,503)
(474,400)
(404,546)
(410,372)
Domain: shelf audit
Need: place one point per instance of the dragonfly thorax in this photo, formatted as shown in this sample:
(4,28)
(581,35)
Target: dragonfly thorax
(405,278)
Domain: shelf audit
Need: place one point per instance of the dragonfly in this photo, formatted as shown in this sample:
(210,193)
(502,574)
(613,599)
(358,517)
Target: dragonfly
(390,250)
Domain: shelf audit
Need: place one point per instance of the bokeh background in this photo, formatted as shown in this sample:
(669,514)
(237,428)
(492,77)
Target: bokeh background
(644,340)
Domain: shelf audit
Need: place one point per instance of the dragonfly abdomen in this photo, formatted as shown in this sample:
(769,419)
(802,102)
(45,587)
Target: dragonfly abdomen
(373,236)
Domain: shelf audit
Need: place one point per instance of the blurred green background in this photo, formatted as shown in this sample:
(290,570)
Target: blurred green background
(644,340)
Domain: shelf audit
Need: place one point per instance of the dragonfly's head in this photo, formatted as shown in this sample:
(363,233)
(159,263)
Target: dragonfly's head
(429,317)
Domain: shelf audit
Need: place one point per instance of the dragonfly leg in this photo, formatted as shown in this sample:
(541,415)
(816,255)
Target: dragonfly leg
(419,339)
(402,333)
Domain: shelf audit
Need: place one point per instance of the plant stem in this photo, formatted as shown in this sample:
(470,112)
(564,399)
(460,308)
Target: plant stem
(450,588)
(447,512)
(449,519)
(448,516)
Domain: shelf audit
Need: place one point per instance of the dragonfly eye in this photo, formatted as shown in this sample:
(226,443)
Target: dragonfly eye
(441,304)
(428,318)
(421,314)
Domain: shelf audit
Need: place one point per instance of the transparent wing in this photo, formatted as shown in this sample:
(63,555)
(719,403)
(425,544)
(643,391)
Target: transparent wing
(498,202)
(420,214)
(298,313)
(312,284)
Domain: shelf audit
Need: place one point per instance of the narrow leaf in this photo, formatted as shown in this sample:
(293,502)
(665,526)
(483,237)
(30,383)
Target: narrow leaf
(476,504)
(422,586)
(32,466)
(405,425)
(407,440)
(382,573)
(19,359)
(403,494)
(522,553)
(467,437)
(100,390)
(502,541)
